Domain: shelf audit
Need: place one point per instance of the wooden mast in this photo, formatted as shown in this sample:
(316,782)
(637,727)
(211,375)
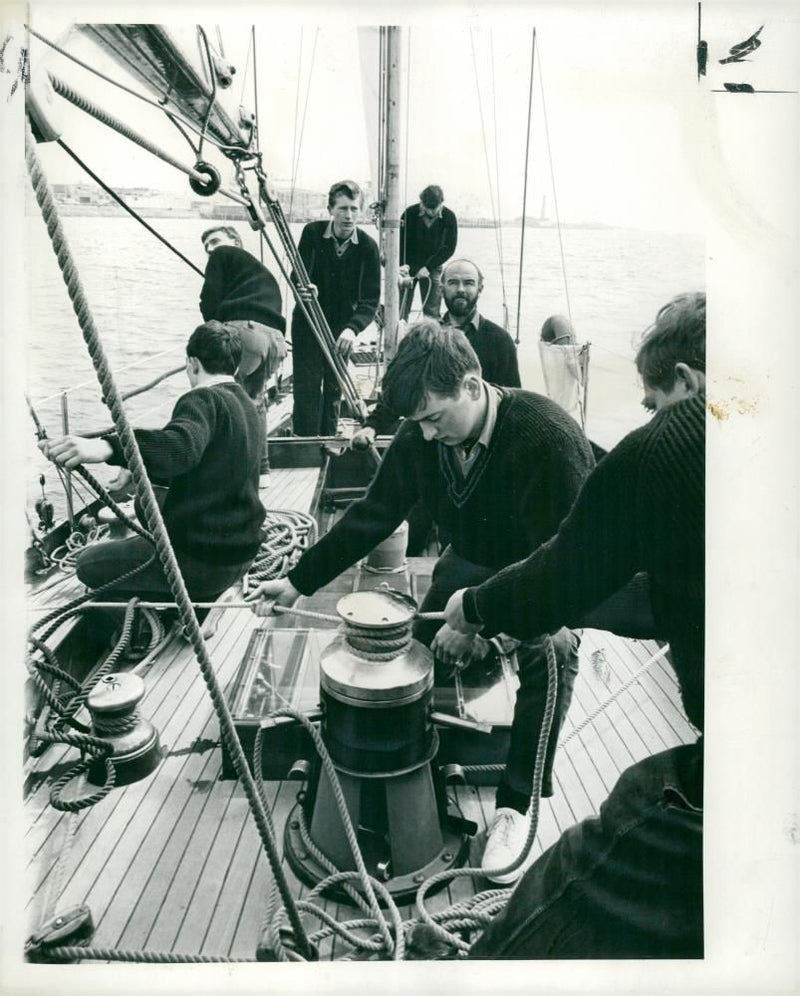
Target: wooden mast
(391,219)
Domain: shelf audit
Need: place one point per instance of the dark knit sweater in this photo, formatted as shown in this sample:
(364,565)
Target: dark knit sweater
(498,358)
(642,509)
(426,245)
(239,288)
(349,286)
(515,495)
(208,454)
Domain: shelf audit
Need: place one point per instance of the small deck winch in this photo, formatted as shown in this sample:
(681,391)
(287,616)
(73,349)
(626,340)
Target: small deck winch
(376,692)
(136,749)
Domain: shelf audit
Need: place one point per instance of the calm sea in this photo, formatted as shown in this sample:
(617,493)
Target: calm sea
(145,303)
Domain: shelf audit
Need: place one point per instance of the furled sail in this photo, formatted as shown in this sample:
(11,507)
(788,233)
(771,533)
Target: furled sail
(180,67)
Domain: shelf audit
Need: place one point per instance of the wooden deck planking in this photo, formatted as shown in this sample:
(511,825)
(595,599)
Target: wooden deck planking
(291,488)
(175,862)
(227,919)
(646,717)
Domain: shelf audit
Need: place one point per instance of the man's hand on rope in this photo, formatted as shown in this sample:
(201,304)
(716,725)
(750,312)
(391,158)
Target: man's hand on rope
(404,278)
(71,451)
(454,614)
(458,649)
(344,344)
(266,595)
(364,438)
(306,293)
(122,482)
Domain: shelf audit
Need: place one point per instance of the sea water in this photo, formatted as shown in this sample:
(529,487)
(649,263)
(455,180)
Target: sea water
(144,301)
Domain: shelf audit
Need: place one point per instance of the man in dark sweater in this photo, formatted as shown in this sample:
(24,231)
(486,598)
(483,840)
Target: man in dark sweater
(207,454)
(428,237)
(499,469)
(343,267)
(629,882)
(241,292)
(462,284)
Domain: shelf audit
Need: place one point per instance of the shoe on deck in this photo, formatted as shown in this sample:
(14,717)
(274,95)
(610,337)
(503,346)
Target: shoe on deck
(504,844)
(263,481)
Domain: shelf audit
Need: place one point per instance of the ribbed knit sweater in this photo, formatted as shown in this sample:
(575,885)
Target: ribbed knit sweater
(208,455)
(239,288)
(426,245)
(642,509)
(512,500)
(348,286)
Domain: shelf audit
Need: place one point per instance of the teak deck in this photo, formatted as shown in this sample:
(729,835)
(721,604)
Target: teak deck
(174,862)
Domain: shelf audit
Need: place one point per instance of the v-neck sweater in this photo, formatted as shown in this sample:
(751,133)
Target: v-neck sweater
(513,498)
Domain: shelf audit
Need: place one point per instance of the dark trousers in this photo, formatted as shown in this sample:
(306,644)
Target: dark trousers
(317,395)
(625,884)
(430,289)
(453,572)
(101,563)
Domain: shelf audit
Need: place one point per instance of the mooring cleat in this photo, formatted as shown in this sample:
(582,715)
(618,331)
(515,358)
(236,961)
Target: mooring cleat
(74,927)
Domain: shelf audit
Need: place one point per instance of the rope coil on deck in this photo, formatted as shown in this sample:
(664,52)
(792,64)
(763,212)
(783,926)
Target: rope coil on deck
(286,535)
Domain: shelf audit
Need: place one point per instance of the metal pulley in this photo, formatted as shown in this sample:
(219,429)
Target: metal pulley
(214,179)
(136,749)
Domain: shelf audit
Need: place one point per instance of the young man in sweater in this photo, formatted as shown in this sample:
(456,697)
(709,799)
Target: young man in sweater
(428,237)
(498,468)
(462,284)
(241,292)
(207,454)
(629,883)
(343,267)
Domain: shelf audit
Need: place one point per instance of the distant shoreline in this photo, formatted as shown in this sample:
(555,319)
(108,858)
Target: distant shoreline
(237,214)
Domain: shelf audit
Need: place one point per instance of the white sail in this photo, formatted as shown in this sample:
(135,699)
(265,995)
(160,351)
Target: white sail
(369,51)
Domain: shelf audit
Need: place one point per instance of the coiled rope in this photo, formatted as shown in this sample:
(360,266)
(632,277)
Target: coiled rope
(153,516)
(286,536)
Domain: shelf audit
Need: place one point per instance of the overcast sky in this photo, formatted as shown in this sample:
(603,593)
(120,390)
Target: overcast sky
(627,121)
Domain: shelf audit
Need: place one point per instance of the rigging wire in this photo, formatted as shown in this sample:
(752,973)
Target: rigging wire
(408,113)
(525,184)
(257,127)
(296,160)
(130,366)
(555,194)
(246,67)
(488,169)
(296,120)
(112,193)
(213,97)
(497,183)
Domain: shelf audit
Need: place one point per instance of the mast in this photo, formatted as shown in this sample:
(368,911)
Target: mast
(391,219)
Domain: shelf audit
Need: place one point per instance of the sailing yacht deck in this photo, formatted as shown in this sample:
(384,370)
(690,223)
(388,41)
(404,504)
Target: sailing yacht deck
(174,863)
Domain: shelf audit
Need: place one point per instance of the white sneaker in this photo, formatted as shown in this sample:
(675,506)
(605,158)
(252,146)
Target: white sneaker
(504,844)
(263,481)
